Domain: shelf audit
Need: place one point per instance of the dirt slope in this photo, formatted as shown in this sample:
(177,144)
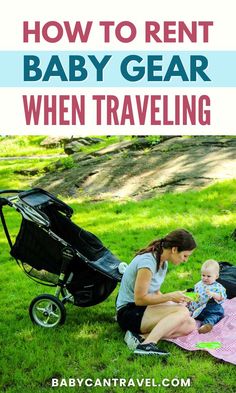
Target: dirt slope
(127,170)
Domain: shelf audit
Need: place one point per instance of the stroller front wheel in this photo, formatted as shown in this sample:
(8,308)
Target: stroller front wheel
(47,311)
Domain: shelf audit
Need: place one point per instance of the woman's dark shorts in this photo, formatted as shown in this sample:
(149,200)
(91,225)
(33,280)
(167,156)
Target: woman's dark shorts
(130,316)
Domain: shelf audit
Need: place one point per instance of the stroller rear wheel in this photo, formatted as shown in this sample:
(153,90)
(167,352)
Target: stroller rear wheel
(47,311)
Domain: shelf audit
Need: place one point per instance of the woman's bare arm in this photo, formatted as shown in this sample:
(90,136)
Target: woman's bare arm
(143,298)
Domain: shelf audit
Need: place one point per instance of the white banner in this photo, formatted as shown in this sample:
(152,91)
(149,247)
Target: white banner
(117,68)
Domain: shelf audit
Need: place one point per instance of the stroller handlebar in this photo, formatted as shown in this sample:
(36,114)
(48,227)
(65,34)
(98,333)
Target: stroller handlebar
(11,191)
(6,201)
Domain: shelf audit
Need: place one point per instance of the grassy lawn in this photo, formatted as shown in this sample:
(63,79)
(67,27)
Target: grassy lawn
(90,344)
(15,146)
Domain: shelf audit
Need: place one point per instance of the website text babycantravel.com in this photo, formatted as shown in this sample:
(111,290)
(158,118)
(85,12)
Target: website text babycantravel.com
(120,382)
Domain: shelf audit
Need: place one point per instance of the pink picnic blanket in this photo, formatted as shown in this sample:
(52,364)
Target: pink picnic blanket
(223,332)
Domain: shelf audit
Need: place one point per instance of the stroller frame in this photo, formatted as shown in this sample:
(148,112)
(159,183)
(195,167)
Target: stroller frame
(48,310)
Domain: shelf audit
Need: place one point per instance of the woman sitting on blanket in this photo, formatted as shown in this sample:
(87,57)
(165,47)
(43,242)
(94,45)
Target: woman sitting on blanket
(142,308)
(211,294)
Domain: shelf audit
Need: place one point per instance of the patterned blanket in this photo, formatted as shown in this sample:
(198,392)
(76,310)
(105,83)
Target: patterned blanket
(224,332)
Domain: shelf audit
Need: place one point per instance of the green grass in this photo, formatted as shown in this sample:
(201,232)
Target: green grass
(90,344)
(15,146)
(21,146)
(16,174)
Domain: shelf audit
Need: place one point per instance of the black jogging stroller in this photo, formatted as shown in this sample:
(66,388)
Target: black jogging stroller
(54,251)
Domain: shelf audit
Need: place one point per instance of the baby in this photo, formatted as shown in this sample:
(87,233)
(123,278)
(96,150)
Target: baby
(208,308)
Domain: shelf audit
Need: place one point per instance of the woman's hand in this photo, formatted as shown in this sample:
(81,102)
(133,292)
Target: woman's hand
(179,297)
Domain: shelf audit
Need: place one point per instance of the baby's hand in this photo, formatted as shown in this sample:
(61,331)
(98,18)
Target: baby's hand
(209,293)
(213,295)
(216,296)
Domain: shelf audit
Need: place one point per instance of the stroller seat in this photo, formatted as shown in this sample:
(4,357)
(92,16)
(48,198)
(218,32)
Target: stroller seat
(49,241)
